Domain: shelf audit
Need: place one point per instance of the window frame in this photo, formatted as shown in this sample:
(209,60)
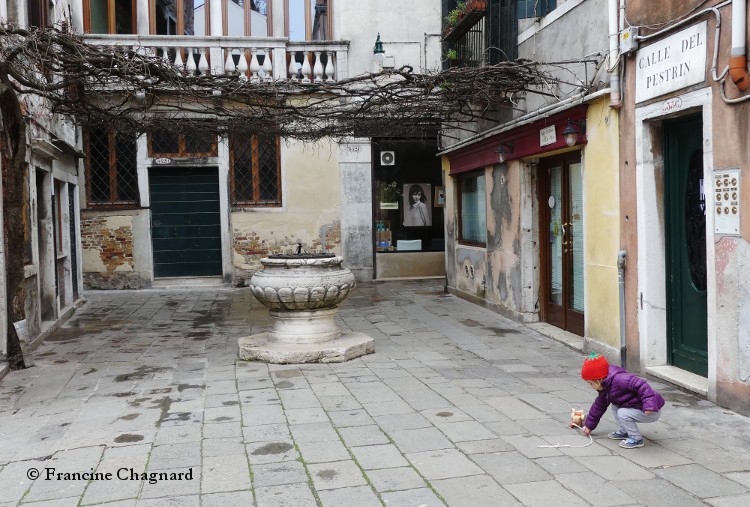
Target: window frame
(247,18)
(180,21)
(111,19)
(44,13)
(309,20)
(257,202)
(459,206)
(182,148)
(114,201)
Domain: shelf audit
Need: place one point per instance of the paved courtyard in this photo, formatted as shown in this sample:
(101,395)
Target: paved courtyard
(139,399)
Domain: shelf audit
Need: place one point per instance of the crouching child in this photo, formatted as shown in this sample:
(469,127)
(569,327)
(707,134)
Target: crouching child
(633,400)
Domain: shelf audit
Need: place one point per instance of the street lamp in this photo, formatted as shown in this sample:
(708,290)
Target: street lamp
(378,55)
(503,151)
(571,132)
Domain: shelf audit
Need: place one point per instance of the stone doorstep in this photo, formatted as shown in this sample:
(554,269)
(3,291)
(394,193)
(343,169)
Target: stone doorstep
(258,347)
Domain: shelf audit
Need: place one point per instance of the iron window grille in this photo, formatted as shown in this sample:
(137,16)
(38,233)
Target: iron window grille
(492,39)
(111,171)
(165,143)
(255,167)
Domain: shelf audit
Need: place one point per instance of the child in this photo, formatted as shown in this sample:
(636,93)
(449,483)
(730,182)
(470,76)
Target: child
(632,399)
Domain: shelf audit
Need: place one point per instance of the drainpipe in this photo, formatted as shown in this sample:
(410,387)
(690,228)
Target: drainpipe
(621,278)
(614,55)
(738,58)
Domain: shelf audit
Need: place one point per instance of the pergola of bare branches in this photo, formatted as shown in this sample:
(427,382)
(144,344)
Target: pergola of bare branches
(135,90)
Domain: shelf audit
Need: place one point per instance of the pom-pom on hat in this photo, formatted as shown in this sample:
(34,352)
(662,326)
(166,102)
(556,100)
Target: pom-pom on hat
(594,367)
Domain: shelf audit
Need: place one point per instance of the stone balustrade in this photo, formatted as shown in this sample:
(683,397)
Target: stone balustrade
(257,58)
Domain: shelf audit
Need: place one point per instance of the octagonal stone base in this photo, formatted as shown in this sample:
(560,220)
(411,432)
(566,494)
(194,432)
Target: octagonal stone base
(262,347)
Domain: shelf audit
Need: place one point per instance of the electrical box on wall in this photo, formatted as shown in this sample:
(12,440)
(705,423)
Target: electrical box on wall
(628,42)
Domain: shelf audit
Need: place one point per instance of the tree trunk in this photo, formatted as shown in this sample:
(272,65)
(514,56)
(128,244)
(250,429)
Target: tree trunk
(14,172)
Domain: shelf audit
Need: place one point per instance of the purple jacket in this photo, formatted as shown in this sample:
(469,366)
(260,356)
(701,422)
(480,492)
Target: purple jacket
(625,390)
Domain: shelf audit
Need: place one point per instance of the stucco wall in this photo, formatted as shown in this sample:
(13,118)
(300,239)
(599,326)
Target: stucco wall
(310,212)
(410,32)
(726,140)
(602,224)
(580,31)
(503,237)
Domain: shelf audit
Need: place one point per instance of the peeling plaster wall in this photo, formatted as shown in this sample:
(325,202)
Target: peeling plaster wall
(733,304)
(500,276)
(310,212)
(108,253)
(503,237)
(602,224)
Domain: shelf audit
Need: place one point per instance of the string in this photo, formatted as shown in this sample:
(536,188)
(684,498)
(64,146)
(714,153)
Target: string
(557,446)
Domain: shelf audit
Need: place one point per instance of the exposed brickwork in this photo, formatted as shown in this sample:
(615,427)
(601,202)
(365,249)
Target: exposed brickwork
(250,248)
(115,246)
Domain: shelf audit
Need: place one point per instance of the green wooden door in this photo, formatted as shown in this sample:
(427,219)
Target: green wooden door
(685,230)
(185,222)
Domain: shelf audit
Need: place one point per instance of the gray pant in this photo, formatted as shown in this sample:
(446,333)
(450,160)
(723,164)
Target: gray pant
(626,419)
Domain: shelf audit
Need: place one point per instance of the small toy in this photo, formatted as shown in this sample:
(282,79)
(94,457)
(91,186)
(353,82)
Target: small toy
(577,417)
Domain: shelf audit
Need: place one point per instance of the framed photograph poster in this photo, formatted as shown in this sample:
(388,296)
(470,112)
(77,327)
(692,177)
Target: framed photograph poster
(417,205)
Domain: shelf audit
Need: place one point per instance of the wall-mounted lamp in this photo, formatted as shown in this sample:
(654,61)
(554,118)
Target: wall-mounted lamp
(573,130)
(378,53)
(503,151)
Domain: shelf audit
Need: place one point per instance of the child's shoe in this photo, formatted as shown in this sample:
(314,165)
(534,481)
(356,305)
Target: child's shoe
(631,443)
(618,435)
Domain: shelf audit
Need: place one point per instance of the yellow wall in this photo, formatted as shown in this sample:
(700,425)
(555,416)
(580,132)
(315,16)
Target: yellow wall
(311,206)
(602,224)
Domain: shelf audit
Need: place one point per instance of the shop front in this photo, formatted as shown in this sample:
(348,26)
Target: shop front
(532,220)
(408,203)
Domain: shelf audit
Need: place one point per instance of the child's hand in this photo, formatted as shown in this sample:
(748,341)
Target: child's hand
(586,431)
(648,412)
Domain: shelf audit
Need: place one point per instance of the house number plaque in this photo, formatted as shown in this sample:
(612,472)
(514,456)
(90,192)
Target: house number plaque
(727,201)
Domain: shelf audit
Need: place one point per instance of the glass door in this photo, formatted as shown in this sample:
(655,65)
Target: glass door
(561,240)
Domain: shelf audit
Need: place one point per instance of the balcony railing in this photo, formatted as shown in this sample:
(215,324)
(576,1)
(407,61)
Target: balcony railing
(256,58)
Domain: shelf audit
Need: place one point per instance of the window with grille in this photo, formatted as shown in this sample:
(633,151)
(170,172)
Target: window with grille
(166,143)
(112,177)
(256,170)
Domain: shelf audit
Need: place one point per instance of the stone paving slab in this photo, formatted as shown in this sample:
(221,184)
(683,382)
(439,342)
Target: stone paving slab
(457,406)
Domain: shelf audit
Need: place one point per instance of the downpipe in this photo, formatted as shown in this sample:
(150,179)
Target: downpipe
(738,58)
(621,279)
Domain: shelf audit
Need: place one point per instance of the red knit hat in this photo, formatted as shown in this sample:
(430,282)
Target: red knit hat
(594,367)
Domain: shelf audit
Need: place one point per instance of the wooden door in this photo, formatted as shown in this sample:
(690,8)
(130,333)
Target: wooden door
(561,242)
(185,222)
(685,238)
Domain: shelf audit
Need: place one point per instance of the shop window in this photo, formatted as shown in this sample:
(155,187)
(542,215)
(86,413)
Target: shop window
(408,197)
(308,20)
(472,209)
(111,172)
(170,144)
(38,14)
(255,167)
(109,16)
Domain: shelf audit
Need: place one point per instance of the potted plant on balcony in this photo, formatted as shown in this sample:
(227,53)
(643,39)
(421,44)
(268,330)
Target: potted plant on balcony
(469,11)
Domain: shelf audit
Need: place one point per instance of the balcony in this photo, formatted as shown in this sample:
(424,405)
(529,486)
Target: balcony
(256,58)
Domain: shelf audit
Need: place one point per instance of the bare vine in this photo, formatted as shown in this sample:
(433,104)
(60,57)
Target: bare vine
(136,90)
